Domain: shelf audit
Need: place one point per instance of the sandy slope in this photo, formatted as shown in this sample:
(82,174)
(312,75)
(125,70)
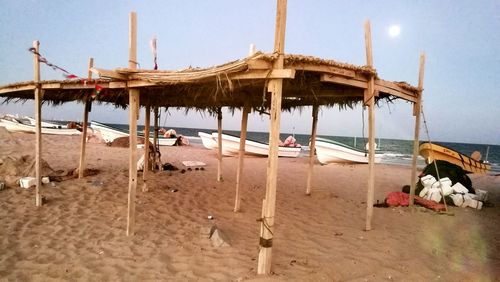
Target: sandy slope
(80,233)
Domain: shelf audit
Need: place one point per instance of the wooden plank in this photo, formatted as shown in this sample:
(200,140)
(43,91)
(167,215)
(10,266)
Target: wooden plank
(88,102)
(265,74)
(371,129)
(312,149)
(416,112)
(77,86)
(38,124)
(343,80)
(133,112)
(275,86)
(241,155)
(139,83)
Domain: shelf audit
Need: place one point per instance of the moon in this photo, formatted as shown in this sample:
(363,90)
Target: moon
(394,31)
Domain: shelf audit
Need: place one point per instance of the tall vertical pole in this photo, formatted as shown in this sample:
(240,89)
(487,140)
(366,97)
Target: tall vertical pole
(312,149)
(88,102)
(145,169)
(38,125)
(269,204)
(241,155)
(369,100)
(155,136)
(416,112)
(219,144)
(133,114)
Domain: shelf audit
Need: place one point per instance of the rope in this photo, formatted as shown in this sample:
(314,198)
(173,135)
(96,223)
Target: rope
(432,156)
(265,224)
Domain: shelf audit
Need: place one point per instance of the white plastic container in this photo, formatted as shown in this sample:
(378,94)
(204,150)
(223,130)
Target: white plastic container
(27,182)
(427,180)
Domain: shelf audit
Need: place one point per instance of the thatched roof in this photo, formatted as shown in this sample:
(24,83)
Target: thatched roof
(306,81)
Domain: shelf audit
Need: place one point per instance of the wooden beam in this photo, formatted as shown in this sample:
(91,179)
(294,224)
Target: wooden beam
(275,86)
(259,64)
(325,69)
(265,74)
(343,80)
(403,95)
(219,144)
(86,108)
(416,112)
(312,149)
(155,138)
(116,84)
(370,101)
(145,169)
(102,73)
(241,155)
(17,88)
(38,125)
(133,112)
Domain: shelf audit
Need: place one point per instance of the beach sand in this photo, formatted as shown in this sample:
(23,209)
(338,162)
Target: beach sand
(80,233)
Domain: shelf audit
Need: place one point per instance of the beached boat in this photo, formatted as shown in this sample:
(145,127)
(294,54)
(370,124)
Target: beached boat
(432,152)
(110,133)
(17,125)
(231,147)
(329,151)
(207,140)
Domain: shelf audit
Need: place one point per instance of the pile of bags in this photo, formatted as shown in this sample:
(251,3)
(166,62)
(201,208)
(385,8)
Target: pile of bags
(435,190)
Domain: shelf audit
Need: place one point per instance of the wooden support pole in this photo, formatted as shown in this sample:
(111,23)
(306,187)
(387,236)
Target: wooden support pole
(416,112)
(219,144)
(312,149)
(275,86)
(145,169)
(370,101)
(88,102)
(241,155)
(155,137)
(38,125)
(133,113)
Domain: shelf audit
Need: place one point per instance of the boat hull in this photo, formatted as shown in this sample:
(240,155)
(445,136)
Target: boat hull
(231,147)
(329,151)
(430,152)
(21,127)
(109,133)
(207,140)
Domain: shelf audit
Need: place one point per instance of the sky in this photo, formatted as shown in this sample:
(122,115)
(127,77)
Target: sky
(460,39)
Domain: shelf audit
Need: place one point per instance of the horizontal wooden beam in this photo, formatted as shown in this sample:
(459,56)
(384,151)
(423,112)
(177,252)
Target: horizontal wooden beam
(17,88)
(343,80)
(108,74)
(396,90)
(265,74)
(325,69)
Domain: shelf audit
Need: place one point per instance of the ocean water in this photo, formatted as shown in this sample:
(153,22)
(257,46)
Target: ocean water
(394,151)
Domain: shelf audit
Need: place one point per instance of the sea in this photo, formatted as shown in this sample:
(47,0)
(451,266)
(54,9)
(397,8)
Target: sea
(395,151)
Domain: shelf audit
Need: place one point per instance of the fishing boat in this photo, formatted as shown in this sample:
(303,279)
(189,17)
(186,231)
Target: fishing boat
(231,147)
(329,151)
(13,124)
(431,151)
(110,133)
(207,140)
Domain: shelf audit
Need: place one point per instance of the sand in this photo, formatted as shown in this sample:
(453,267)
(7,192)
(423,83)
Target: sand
(80,233)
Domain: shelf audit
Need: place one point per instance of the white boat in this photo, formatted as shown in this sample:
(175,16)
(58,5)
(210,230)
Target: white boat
(110,133)
(329,151)
(231,147)
(15,125)
(207,140)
